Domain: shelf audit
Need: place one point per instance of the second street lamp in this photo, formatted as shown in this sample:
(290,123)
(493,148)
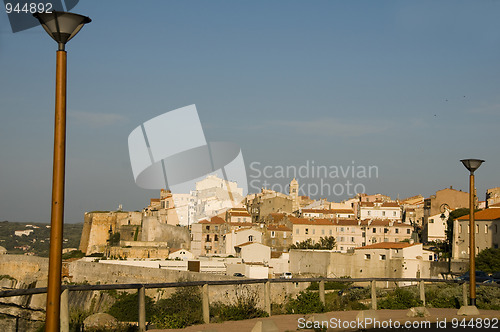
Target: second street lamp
(472,165)
(61,26)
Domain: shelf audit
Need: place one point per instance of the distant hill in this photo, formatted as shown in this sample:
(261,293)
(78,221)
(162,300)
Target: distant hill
(33,238)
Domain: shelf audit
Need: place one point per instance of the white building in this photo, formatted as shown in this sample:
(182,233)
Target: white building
(180,254)
(240,236)
(435,229)
(380,210)
(252,252)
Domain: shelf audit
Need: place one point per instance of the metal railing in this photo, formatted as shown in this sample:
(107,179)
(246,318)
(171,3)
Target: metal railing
(141,288)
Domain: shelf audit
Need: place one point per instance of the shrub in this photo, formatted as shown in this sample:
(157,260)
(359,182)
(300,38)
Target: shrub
(330,285)
(244,308)
(443,296)
(488,297)
(126,308)
(181,309)
(400,299)
(305,303)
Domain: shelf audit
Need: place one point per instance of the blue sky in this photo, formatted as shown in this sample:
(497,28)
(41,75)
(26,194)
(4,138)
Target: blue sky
(409,86)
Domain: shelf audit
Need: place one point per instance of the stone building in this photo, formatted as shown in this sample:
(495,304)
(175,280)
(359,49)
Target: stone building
(487,230)
(277,237)
(455,199)
(207,237)
(492,196)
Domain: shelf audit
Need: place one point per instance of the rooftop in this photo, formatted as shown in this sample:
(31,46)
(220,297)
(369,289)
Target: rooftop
(388,245)
(487,214)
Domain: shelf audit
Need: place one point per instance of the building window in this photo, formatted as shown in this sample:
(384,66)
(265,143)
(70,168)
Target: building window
(460,228)
(216,228)
(307,231)
(208,238)
(394,213)
(430,257)
(396,230)
(341,229)
(250,238)
(284,242)
(431,221)
(297,231)
(216,238)
(386,230)
(323,232)
(369,212)
(485,229)
(368,256)
(477,229)
(330,232)
(273,242)
(342,239)
(382,257)
(408,231)
(374,230)
(352,239)
(284,235)
(314,231)
(273,234)
(383,213)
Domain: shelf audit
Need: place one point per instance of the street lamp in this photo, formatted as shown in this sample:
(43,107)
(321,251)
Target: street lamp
(472,165)
(61,26)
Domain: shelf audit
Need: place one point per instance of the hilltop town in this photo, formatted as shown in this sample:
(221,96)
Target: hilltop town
(216,229)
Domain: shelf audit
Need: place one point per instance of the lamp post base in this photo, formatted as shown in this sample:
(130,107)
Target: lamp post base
(468,310)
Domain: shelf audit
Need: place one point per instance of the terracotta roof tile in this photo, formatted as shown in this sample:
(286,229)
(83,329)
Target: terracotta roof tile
(279,228)
(388,245)
(305,221)
(487,214)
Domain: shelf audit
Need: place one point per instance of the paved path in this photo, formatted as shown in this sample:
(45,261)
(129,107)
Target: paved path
(291,322)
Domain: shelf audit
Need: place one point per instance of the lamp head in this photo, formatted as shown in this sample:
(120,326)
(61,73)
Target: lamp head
(62,26)
(472,164)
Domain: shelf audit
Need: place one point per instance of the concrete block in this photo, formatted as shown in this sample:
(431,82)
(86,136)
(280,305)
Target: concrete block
(267,325)
(468,310)
(418,312)
(362,315)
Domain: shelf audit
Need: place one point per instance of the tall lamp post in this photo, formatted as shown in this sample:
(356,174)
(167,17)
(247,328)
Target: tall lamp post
(61,26)
(472,165)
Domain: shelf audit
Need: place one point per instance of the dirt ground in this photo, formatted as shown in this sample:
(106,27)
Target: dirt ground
(385,319)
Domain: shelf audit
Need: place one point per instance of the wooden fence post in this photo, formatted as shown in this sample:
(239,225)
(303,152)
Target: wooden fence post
(206,305)
(64,320)
(464,293)
(322,292)
(374,294)
(267,297)
(141,292)
(422,292)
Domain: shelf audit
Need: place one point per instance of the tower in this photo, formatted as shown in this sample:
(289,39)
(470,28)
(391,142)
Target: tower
(294,194)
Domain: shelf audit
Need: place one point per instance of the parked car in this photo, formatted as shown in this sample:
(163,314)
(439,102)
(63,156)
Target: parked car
(481,277)
(237,274)
(496,277)
(286,275)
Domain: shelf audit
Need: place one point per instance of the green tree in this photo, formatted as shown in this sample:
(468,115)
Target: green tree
(325,243)
(488,260)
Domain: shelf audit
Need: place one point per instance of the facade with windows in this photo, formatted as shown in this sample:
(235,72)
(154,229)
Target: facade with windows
(380,210)
(487,232)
